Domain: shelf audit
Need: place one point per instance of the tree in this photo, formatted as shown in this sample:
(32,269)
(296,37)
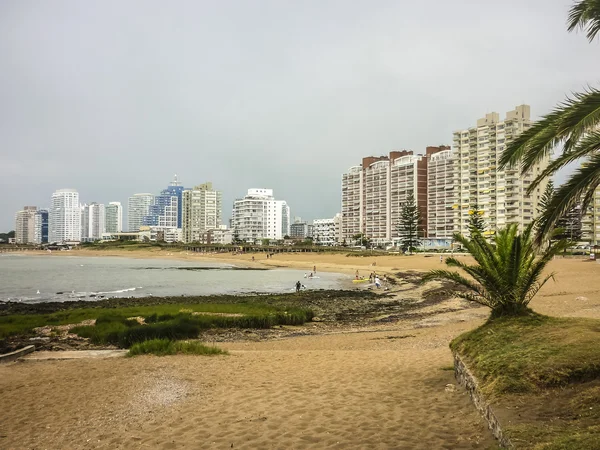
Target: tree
(361,239)
(569,225)
(574,125)
(508,274)
(546,198)
(476,223)
(410,224)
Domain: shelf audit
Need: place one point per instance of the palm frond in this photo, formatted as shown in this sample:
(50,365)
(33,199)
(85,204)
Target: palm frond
(585,14)
(581,183)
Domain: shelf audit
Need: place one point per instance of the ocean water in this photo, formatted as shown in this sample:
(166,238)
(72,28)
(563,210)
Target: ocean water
(33,279)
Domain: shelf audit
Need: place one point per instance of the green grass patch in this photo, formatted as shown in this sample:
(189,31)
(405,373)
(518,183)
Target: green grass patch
(530,353)
(253,314)
(163,347)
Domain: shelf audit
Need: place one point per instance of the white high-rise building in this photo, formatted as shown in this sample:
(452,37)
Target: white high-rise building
(92,222)
(324,231)
(440,194)
(25,226)
(113,217)
(500,194)
(201,211)
(64,216)
(259,216)
(138,208)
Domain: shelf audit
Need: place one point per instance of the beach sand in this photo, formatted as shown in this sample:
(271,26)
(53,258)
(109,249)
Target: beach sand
(385,388)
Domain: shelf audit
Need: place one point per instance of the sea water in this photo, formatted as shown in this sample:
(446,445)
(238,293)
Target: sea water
(33,279)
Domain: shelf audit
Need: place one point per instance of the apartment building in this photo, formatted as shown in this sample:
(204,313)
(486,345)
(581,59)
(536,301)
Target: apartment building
(202,211)
(259,216)
(113,218)
(590,227)
(500,194)
(93,222)
(374,193)
(25,225)
(324,231)
(138,207)
(440,193)
(64,218)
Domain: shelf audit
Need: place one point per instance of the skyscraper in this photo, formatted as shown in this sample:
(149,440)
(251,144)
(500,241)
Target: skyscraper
(440,193)
(138,208)
(167,207)
(259,216)
(25,225)
(201,211)
(64,218)
(500,194)
(92,221)
(113,217)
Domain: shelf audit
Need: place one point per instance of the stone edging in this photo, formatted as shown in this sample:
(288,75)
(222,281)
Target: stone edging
(466,379)
(12,356)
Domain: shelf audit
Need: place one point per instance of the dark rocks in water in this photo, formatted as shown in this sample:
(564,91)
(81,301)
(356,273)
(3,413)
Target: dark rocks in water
(92,295)
(58,293)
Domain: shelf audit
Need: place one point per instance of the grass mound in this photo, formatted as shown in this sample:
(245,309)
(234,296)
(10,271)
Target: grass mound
(531,353)
(162,347)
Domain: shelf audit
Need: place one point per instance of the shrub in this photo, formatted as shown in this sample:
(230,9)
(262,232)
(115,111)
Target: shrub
(162,347)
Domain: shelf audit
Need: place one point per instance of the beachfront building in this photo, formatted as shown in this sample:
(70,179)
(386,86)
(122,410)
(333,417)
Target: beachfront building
(500,194)
(259,216)
(590,226)
(93,223)
(138,207)
(324,232)
(113,217)
(25,226)
(374,193)
(300,229)
(201,211)
(440,196)
(64,217)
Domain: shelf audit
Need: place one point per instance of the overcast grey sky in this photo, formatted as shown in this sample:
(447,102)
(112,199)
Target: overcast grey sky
(114,97)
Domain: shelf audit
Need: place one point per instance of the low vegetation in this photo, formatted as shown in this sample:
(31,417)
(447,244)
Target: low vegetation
(543,373)
(163,347)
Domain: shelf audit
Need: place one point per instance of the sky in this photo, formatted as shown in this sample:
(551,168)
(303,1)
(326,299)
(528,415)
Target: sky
(115,97)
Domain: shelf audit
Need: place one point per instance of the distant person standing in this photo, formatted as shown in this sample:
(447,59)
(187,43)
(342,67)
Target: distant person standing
(377,282)
(314,269)
(441,258)
(298,286)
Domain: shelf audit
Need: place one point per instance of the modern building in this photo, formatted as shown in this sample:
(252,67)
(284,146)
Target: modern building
(500,194)
(41,226)
(64,217)
(374,193)
(93,222)
(300,230)
(440,193)
(138,207)
(202,211)
(26,226)
(590,226)
(166,211)
(113,218)
(324,232)
(221,236)
(259,216)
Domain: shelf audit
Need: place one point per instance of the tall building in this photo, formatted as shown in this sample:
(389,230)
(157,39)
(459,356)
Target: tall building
(113,217)
(93,222)
(25,226)
(64,217)
(138,207)
(374,193)
(500,194)
(324,232)
(202,210)
(259,216)
(591,221)
(166,211)
(440,193)
(300,230)
(41,226)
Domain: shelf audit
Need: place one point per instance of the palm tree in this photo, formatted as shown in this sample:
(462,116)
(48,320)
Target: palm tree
(507,274)
(574,124)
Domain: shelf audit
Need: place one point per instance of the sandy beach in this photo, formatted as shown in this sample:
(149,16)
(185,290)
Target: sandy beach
(385,386)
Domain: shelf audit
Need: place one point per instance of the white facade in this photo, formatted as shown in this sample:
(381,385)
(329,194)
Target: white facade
(259,216)
(113,219)
(500,194)
(440,195)
(202,210)
(590,227)
(64,217)
(26,226)
(138,207)
(324,231)
(93,223)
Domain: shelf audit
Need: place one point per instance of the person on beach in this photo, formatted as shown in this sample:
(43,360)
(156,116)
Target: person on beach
(253,259)
(315,269)
(357,274)
(377,282)
(298,286)
(441,258)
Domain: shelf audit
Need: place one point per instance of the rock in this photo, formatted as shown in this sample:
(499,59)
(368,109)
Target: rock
(316,319)
(450,388)
(583,299)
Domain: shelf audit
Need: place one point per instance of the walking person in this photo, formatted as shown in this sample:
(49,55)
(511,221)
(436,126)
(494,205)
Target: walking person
(314,269)
(298,286)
